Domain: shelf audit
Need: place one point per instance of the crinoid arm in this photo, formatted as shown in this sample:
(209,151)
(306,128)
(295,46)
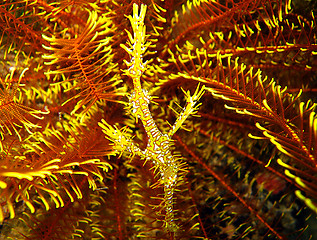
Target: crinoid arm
(13,114)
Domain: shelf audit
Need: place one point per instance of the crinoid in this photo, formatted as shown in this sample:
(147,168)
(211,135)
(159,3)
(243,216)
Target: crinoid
(158,119)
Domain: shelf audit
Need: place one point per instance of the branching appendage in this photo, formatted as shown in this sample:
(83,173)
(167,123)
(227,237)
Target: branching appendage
(158,146)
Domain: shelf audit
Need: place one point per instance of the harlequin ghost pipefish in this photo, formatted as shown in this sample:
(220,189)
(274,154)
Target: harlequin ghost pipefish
(171,169)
